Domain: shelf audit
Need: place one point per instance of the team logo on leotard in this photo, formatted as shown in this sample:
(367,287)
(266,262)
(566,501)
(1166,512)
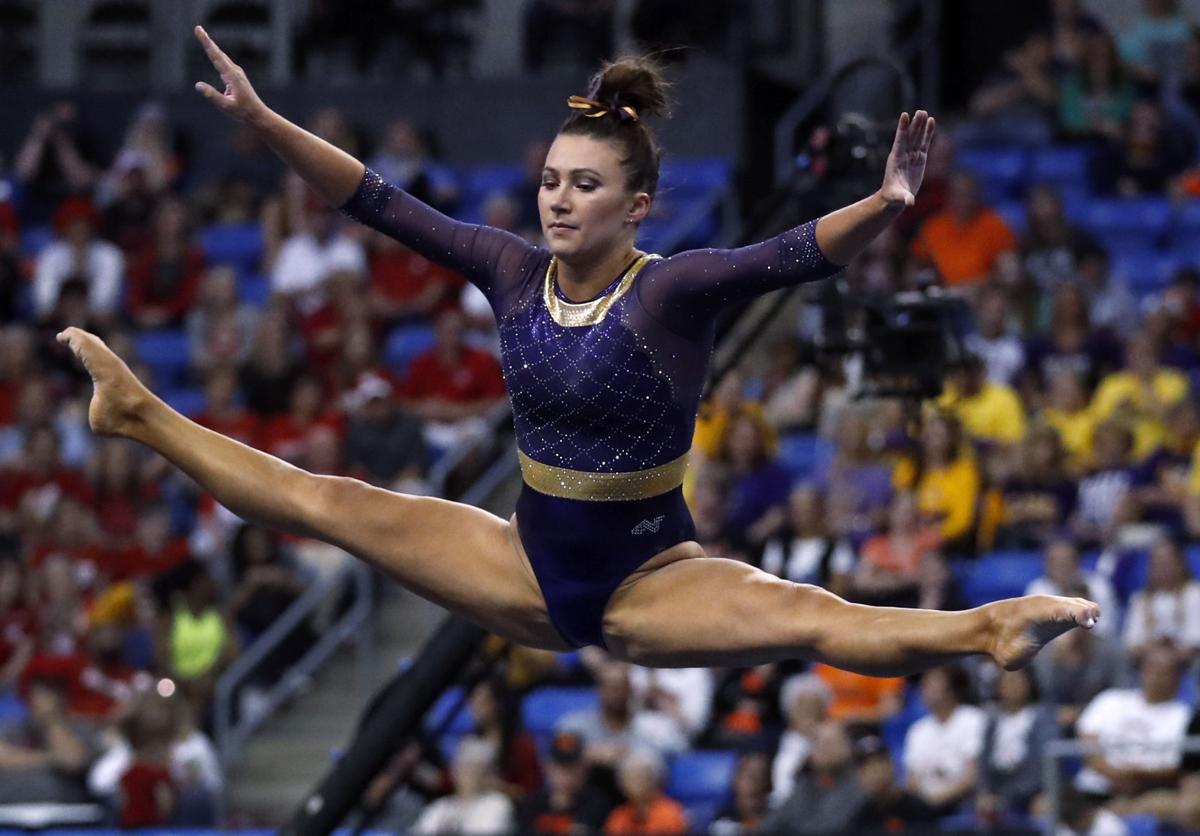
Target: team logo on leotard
(651,526)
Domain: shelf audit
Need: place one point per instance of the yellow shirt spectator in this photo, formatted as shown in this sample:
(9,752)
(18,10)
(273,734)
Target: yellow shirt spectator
(947,494)
(1194,473)
(993,414)
(1141,402)
(1075,429)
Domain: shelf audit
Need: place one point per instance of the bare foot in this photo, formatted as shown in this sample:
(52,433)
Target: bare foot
(118,397)
(1023,626)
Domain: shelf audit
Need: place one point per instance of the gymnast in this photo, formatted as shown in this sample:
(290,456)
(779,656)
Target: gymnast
(604,350)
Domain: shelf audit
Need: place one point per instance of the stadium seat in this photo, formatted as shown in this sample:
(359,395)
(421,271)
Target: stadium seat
(485,180)
(167,352)
(33,239)
(1128,223)
(451,700)
(544,708)
(1060,166)
(1130,573)
(405,343)
(700,815)
(1001,171)
(189,402)
(1184,236)
(1013,213)
(701,776)
(1142,825)
(254,290)
(1145,270)
(999,575)
(239,245)
(803,453)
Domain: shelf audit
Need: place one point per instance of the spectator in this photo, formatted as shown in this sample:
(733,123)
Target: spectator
(805,701)
(37,407)
(165,274)
(1104,494)
(454,387)
(309,257)
(827,796)
(122,480)
(567,803)
(1010,763)
(941,750)
(247,174)
(903,567)
(220,328)
(496,713)
(128,201)
(268,375)
(1154,45)
(1160,485)
(1069,342)
(1096,98)
(1015,104)
(856,482)
(30,491)
(406,286)
(1111,305)
(1002,353)
(222,413)
(863,703)
(1141,394)
(53,162)
(1139,731)
(382,440)
(759,484)
(1038,496)
(1063,575)
(17,367)
(806,551)
(746,809)
(17,621)
(474,808)
(1070,27)
(889,807)
(44,757)
(1147,156)
(1075,667)
(402,160)
(647,810)
(1051,247)
(967,242)
(76,253)
(12,271)
(945,478)
(1167,608)
(990,412)
(159,150)
(1069,412)
(580,29)
(283,435)
(745,708)
(195,640)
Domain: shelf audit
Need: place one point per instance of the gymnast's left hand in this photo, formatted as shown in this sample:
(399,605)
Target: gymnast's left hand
(906,163)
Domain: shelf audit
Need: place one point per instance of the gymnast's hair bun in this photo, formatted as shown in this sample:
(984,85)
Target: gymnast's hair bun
(635,81)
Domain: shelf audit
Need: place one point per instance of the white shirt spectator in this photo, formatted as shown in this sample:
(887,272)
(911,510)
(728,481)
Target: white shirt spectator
(1099,590)
(193,763)
(937,753)
(305,262)
(791,755)
(799,559)
(691,688)
(1134,734)
(103,268)
(1164,615)
(651,729)
(1003,357)
(491,812)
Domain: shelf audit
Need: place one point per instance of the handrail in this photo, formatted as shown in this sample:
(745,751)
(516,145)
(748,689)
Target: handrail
(229,735)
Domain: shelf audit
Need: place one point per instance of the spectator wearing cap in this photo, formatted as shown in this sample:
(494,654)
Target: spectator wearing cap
(454,387)
(77,253)
(308,258)
(747,806)
(941,750)
(648,810)
(1139,730)
(826,796)
(567,803)
(889,808)
(474,808)
(990,412)
(805,702)
(967,241)
(382,440)
(1010,763)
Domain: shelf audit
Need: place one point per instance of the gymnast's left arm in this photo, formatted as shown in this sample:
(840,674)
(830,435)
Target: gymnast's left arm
(843,234)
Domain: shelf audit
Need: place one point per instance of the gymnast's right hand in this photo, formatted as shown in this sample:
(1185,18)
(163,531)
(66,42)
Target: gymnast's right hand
(239,99)
(119,399)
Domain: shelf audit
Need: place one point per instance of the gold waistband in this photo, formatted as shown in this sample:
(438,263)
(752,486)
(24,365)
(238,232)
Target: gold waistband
(602,487)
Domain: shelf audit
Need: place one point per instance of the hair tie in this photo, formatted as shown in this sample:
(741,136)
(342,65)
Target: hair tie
(594,109)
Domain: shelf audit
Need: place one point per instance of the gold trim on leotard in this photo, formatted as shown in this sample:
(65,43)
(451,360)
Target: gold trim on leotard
(576,314)
(602,487)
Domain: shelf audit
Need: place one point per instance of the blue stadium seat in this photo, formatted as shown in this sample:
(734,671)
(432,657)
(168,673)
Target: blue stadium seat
(545,707)
(1013,213)
(1193,559)
(1001,171)
(1128,223)
(1145,270)
(483,180)
(1142,824)
(33,238)
(437,716)
(700,815)
(701,776)
(240,245)
(1060,165)
(254,289)
(405,343)
(1185,228)
(167,352)
(189,402)
(1000,575)
(895,728)
(12,708)
(1132,569)
(803,453)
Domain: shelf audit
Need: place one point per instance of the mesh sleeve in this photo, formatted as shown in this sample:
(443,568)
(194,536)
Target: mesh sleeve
(483,255)
(687,290)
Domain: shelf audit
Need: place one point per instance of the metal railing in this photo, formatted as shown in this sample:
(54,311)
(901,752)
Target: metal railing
(231,732)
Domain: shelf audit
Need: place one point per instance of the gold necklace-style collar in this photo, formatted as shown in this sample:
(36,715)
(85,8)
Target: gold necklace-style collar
(576,314)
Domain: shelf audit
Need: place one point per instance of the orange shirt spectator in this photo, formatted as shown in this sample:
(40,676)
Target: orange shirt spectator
(858,698)
(663,816)
(966,240)
(901,556)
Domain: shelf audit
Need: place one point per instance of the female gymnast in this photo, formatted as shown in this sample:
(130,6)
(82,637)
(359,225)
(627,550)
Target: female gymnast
(604,351)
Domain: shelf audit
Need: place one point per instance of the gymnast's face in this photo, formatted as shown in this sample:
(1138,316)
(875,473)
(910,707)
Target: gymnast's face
(585,207)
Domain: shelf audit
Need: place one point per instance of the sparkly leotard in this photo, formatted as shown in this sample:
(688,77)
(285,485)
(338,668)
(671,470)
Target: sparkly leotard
(604,393)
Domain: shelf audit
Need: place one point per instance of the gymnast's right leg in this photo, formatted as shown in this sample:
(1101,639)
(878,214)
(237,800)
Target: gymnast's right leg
(457,556)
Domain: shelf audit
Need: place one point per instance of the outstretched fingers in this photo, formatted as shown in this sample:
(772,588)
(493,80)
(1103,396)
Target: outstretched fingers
(219,59)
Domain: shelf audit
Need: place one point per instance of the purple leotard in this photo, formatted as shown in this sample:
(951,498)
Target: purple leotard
(604,393)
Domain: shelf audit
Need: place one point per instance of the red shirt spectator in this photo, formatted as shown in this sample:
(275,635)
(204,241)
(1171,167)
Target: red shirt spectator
(405,283)
(452,371)
(284,435)
(162,289)
(147,795)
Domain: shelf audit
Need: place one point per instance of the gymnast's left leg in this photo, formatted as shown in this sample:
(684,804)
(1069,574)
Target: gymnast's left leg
(702,612)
